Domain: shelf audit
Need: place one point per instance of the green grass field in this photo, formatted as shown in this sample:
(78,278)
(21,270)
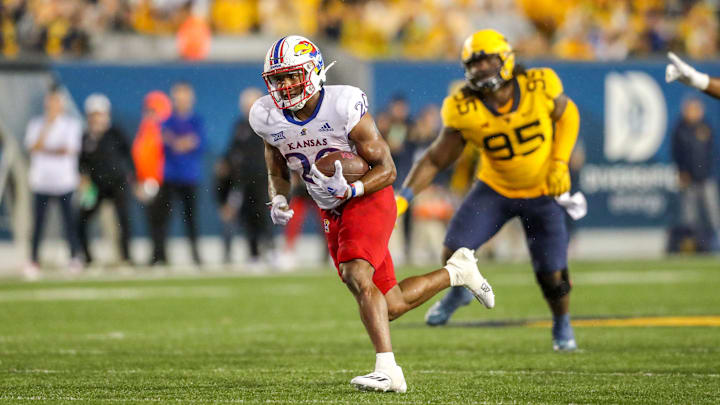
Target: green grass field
(298,339)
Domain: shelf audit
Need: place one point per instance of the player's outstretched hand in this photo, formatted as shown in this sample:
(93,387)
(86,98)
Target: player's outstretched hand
(335,185)
(280,212)
(558,179)
(677,69)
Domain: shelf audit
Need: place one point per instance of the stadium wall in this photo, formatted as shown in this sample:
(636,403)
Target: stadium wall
(627,113)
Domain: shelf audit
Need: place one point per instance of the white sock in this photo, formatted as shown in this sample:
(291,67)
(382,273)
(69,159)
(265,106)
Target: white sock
(384,361)
(454,275)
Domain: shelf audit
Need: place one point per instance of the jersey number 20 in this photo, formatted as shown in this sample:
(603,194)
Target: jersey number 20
(305,162)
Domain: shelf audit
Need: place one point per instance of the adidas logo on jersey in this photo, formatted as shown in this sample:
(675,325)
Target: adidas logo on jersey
(325,128)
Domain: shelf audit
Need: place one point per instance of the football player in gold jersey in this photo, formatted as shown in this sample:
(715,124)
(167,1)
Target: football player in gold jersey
(525,128)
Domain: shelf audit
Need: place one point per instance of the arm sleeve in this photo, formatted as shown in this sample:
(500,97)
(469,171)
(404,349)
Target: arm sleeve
(566,132)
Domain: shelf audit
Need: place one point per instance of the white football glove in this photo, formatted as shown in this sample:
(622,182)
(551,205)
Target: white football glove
(336,185)
(679,70)
(280,212)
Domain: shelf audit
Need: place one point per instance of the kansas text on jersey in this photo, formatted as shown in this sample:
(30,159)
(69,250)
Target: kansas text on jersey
(304,142)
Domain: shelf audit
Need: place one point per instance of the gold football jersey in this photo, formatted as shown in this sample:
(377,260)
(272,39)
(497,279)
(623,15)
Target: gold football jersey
(515,147)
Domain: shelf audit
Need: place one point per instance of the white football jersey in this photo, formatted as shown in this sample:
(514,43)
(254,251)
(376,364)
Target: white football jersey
(304,142)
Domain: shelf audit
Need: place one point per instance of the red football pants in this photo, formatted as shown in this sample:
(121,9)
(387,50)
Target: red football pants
(361,229)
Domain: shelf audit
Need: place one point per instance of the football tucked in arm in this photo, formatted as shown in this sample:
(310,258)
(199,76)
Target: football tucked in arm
(354,166)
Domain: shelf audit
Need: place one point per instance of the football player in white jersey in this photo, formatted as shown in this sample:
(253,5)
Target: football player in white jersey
(300,121)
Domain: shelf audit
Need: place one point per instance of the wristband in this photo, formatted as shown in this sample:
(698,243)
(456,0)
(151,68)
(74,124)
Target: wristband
(700,81)
(407,194)
(278,199)
(357,189)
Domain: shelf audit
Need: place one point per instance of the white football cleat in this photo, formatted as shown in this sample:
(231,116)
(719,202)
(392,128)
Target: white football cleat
(31,272)
(567,345)
(463,270)
(381,380)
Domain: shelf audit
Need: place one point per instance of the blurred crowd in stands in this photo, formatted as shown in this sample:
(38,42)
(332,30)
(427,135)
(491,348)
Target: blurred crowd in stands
(416,29)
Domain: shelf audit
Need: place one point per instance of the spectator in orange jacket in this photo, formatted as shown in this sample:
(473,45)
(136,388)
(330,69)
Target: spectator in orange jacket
(149,159)
(147,149)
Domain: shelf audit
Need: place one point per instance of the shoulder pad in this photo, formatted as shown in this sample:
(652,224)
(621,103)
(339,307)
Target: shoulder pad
(351,103)
(547,78)
(260,114)
(456,108)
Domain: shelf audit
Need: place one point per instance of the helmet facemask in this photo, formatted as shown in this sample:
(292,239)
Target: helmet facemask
(292,96)
(487,83)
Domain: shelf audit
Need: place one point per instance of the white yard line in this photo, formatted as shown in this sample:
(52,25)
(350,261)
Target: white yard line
(75,293)
(173,272)
(112,293)
(623,277)
(510,276)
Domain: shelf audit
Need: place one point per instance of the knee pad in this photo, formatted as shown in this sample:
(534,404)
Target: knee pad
(554,285)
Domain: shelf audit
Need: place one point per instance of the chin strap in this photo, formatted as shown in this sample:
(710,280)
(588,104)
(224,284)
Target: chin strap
(298,106)
(324,70)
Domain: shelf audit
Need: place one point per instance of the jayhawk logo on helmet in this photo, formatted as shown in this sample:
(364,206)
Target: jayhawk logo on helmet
(304,47)
(484,43)
(294,71)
